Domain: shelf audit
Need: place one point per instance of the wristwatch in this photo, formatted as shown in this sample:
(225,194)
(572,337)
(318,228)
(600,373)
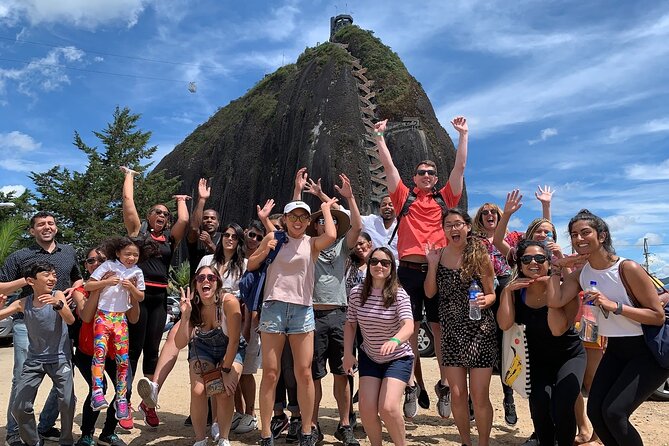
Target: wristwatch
(225,369)
(619,308)
(59,306)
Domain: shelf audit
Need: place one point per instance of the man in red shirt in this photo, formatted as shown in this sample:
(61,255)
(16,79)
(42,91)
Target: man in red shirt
(422,225)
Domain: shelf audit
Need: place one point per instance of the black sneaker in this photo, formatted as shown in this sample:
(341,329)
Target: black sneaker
(424,399)
(51,434)
(294,429)
(510,415)
(317,434)
(14,441)
(278,424)
(345,435)
(307,439)
(110,440)
(532,441)
(188,421)
(266,441)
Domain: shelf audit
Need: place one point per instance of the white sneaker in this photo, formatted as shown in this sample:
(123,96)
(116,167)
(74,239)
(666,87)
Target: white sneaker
(215,431)
(204,442)
(236,418)
(223,442)
(148,390)
(247,424)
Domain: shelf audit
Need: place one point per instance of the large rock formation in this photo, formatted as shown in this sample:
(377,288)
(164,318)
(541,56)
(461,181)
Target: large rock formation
(316,113)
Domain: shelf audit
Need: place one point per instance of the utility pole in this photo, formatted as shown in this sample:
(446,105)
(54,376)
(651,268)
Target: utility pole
(646,254)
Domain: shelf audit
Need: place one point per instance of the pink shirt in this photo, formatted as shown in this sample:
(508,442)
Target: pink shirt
(290,277)
(378,324)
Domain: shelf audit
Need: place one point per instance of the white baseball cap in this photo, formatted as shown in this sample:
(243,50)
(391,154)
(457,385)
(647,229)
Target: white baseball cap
(296,205)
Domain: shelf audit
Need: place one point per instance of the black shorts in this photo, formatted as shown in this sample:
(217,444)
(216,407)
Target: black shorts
(412,281)
(328,342)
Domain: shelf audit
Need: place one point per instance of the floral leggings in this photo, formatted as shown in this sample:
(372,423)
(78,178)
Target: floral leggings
(110,327)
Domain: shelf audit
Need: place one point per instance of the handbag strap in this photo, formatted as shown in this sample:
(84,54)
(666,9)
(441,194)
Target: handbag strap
(628,289)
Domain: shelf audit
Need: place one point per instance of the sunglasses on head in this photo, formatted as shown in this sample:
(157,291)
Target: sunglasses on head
(430,172)
(384,262)
(253,235)
(92,260)
(303,218)
(321,221)
(488,212)
(161,212)
(208,277)
(230,236)
(527,259)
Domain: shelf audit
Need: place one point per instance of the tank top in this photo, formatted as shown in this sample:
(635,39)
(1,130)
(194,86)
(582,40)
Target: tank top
(291,277)
(609,283)
(48,340)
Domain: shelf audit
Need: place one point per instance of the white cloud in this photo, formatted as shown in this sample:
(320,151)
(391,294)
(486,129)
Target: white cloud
(17,189)
(516,224)
(544,135)
(622,134)
(23,165)
(80,13)
(651,171)
(17,141)
(651,238)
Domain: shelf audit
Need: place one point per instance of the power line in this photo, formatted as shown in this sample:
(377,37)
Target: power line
(143,59)
(137,76)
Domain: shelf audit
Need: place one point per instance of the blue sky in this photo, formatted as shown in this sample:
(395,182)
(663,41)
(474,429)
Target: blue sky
(564,93)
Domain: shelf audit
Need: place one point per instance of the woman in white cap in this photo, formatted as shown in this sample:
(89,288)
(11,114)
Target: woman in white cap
(287,309)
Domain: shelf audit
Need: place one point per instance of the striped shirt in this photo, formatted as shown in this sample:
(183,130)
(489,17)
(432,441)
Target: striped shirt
(378,324)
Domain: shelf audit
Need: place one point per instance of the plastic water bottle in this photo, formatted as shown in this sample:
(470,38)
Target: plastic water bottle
(474,309)
(589,327)
(549,239)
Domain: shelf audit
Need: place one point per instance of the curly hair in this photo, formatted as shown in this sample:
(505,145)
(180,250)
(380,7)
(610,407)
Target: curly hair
(196,313)
(475,255)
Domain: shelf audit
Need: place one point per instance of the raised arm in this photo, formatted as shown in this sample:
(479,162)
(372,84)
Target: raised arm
(330,235)
(264,213)
(545,195)
(268,243)
(130,215)
(203,194)
(300,182)
(180,227)
(512,204)
(182,336)
(456,178)
(392,175)
(346,191)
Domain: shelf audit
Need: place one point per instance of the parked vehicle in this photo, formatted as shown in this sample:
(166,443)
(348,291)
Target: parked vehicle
(425,339)
(173,312)
(662,393)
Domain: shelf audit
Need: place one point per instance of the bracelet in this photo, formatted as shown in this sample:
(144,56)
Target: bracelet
(396,340)
(619,308)
(379,133)
(59,306)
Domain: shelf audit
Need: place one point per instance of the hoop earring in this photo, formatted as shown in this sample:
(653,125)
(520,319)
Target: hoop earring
(197,299)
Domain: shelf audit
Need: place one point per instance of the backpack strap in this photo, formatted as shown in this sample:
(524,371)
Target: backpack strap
(409,201)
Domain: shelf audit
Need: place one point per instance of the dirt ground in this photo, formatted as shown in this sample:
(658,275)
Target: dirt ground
(426,429)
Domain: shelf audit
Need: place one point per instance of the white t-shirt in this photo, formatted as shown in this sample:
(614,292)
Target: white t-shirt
(373,225)
(230,281)
(116,298)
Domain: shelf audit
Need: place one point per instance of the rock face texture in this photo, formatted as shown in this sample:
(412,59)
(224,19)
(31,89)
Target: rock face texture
(316,113)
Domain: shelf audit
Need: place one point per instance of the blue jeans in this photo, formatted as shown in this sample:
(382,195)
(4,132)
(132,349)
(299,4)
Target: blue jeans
(49,414)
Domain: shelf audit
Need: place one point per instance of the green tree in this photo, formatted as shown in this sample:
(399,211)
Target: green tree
(87,204)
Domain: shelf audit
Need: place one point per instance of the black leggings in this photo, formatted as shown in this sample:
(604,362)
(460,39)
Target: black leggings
(146,334)
(89,416)
(626,377)
(555,388)
(286,383)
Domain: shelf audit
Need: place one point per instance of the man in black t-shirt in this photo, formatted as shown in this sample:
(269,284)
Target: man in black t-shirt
(203,236)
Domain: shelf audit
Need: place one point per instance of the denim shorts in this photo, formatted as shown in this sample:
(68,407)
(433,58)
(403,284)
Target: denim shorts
(210,346)
(286,318)
(399,368)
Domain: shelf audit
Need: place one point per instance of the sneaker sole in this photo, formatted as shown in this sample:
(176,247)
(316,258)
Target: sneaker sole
(144,389)
(245,429)
(94,409)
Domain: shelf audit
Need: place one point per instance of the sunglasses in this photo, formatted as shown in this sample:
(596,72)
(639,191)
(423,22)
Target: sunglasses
(92,260)
(527,259)
(384,262)
(161,212)
(321,221)
(230,236)
(303,218)
(253,235)
(208,277)
(430,172)
(488,212)
(457,225)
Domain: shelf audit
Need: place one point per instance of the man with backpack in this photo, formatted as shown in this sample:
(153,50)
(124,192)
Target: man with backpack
(420,219)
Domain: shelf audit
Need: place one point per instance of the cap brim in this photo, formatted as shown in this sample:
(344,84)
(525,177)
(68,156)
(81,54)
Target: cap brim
(343,223)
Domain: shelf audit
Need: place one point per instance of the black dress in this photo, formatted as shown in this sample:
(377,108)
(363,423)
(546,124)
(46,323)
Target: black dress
(464,342)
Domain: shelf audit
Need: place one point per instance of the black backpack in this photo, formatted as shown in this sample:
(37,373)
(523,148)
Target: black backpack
(409,201)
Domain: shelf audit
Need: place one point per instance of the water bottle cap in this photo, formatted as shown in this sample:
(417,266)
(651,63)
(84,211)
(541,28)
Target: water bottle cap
(549,234)
(593,283)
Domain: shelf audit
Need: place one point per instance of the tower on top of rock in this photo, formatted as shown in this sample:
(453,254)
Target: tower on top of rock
(338,22)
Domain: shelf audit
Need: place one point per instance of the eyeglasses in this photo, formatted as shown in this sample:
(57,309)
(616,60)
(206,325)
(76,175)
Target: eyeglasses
(384,262)
(527,259)
(457,225)
(430,172)
(321,221)
(208,277)
(230,236)
(303,218)
(488,212)
(161,212)
(92,260)
(253,235)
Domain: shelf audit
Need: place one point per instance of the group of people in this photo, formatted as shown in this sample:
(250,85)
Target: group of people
(339,292)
